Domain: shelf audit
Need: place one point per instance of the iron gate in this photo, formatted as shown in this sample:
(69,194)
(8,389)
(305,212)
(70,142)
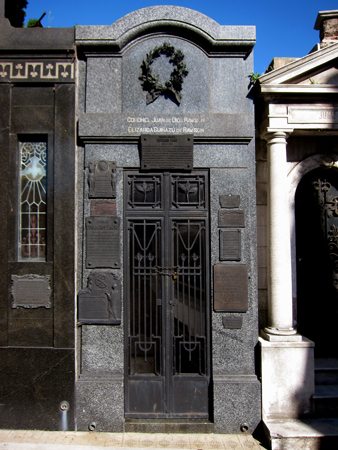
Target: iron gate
(167,299)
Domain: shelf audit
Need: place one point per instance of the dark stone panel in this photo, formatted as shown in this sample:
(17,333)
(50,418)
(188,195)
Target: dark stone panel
(32,96)
(4,144)
(33,383)
(30,332)
(12,210)
(32,119)
(64,176)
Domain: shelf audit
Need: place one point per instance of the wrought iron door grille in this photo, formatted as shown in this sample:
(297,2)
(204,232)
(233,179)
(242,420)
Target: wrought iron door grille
(188,191)
(167,312)
(145,342)
(144,191)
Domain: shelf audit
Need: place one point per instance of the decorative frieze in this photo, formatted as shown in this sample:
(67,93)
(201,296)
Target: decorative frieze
(61,71)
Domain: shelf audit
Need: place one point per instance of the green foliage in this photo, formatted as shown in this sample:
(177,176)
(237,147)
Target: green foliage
(32,22)
(253,78)
(14,11)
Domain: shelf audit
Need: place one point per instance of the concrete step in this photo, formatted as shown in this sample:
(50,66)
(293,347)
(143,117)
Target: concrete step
(309,434)
(326,371)
(326,401)
(184,426)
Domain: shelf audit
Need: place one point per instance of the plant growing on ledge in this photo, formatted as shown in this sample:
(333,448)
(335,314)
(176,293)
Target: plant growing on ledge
(253,78)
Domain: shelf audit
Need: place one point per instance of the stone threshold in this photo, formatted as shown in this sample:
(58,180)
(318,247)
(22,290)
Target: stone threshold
(310,434)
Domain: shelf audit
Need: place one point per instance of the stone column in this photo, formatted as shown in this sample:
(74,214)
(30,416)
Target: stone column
(279,254)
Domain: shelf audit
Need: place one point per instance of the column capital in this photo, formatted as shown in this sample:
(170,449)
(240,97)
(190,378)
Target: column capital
(276,137)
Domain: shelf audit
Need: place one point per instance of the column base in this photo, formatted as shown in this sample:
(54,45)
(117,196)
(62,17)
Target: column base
(287,378)
(281,335)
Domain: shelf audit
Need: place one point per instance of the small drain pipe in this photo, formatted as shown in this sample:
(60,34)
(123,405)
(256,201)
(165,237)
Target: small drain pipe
(64,407)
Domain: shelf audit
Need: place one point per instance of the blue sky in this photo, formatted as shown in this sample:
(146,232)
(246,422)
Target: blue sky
(283,28)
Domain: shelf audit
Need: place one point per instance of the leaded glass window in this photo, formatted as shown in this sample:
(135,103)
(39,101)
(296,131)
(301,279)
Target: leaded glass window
(32,201)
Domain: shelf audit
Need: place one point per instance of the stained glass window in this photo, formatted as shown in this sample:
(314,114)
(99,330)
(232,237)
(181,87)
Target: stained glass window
(32,201)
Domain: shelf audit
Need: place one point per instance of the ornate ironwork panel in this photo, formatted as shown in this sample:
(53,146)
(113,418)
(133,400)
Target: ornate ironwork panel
(317,259)
(167,297)
(145,332)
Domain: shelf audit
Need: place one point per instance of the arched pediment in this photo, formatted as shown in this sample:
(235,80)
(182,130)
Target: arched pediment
(169,20)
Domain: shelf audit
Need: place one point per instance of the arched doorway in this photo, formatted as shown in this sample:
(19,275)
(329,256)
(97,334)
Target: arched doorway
(316,207)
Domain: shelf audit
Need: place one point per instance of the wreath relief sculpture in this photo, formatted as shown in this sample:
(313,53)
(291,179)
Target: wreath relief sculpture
(173,86)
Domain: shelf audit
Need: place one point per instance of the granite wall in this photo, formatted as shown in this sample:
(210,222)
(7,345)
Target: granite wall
(214,107)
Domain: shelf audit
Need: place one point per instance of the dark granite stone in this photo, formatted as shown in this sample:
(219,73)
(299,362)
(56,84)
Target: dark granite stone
(4,147)
(64,216)
(34,382)
(100,400)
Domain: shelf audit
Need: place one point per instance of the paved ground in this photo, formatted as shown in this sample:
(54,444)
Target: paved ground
(78,440)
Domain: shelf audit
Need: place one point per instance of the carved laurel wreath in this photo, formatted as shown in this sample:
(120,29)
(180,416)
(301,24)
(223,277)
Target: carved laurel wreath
(152,84)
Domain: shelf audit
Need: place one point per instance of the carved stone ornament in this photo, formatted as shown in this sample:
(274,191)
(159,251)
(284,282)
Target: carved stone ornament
(151,83)
(100,302)
(102,179)
(31,291)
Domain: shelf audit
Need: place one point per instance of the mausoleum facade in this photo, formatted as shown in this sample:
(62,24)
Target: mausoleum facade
(138,195)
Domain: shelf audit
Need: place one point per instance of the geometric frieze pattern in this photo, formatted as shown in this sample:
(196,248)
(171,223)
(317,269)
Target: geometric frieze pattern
(36,71)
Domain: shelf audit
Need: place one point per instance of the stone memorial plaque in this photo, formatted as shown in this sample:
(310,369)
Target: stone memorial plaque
(167,152)
(103,208)
(102,179)
(100,302)
(232,322)
(31,291)
(230,288)
(230,245)
(230,219)
(102,242)
(229,201)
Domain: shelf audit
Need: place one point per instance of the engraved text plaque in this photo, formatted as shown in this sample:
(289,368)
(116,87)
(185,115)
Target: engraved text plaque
(103,241)
(232,322)
(31,291)
(229,201)
(103,208)
(230,288)
(230,219)
(167,152)
(230,245)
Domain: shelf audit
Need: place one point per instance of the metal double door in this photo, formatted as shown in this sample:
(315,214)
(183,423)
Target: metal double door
(167,295)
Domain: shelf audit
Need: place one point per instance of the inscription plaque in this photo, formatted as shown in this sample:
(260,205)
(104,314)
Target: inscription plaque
(103,208)
(102,179)
(229,201)
(230,219)
(232,322)
(167,152)
(230,245)
(31,291)
(100,302)
(230,288)
(102,242)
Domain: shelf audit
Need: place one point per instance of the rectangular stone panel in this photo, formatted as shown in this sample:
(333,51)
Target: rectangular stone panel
(103,208)
(103,242)
(167,152)
(229,201)
(231,219)
(230,288)
(31,291)
(230,245)
(232,322)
